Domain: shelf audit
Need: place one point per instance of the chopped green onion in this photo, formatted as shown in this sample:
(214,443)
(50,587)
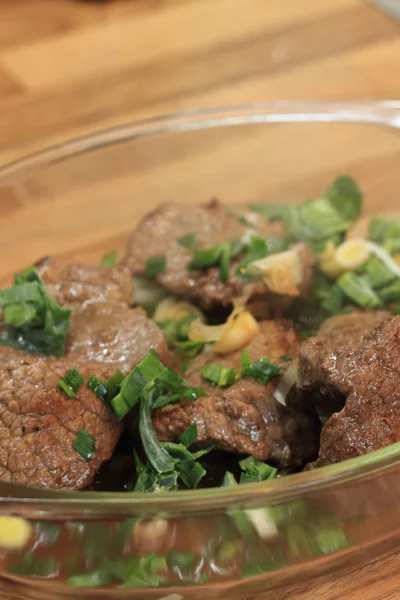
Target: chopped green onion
(98,387)
(190,471)
(156,265)
(102,576)
(384,231)
(170,380)
(113,384)
(262,370)
(218,375)
(255,470)
(184,393)
(35,567)
(109,260)
(187,241)
(35,322)
(334,299)
(71,382)
(390,293)
(358,290)
(147,480)
(225,258)
(257,249)
(133,386)
(188,436)
(84,444)
(159,458)
(186,365)
(189,348)
(209,257)
(274,212)
(229,480)
(345,196)
(377,273)
(144,571)
(238,247)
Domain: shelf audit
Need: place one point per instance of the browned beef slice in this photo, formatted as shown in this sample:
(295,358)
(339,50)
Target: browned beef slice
(158,232)
(114,334)
(246,418)
(349,329)
(39,423)
(367,374)
(75,285)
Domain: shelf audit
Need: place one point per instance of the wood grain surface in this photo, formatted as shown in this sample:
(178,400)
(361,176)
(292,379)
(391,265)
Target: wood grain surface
(68,68)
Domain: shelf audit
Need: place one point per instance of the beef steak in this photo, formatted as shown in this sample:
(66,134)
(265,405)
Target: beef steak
(367,375)
(213,224)
(246,418)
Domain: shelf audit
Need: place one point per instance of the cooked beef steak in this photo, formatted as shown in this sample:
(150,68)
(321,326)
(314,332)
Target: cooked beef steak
(349,329)
(75,285)
(367,374)
(245,418)
(114,334)
(39,423)
(158,232)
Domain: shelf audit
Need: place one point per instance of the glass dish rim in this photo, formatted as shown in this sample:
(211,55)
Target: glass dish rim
(21,499)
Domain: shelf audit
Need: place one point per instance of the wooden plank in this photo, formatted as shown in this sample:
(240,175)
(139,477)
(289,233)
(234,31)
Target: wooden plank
(134,42)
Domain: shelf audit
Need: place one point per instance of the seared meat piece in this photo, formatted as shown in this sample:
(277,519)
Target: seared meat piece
(349,329)
(113,334)
(367,374)
(39,423)
(245,418)
(75,285)
(212,224)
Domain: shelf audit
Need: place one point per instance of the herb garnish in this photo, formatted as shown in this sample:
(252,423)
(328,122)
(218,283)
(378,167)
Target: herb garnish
(71,382)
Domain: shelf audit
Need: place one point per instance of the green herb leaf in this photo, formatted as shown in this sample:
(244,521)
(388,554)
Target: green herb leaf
(257,249)
(187,241)
(346,197)
(218,375)
(98,387)
(262,370)
(109,260)
(156,265)
(385,232)
(358,290)
(334,300)
(71,382)
(134,385)
(84,444)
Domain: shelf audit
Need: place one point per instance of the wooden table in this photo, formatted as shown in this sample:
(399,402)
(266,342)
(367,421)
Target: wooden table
(68,68)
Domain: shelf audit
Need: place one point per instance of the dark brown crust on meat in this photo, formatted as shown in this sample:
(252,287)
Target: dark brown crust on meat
(39,423)
(246,418)
(157,233)
(368,375)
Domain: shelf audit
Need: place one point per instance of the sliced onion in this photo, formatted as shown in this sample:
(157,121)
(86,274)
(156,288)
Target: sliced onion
(286,383)
(282,273)
(172,308)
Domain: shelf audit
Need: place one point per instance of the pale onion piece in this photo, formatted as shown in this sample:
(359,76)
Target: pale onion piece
(172,597)
(237,334)
(286,383)
(151,531)
(14,533)
(172,308)
(385,257)
(327,263)
(347,257)
(146,292)
(282,273)
(263,523)
(199,332)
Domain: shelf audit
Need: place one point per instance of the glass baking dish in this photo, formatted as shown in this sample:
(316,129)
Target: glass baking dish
(81,199)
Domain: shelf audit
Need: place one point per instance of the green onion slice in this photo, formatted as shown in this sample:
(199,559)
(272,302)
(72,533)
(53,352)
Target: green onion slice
(109,260)
(188,436)
(156,265)
(71,382)
(84,444)
(187,241)
(262,370)
(98,387)
(218,375)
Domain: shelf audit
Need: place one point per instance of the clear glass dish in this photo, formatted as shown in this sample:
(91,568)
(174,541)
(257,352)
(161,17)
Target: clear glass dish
(80,200)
